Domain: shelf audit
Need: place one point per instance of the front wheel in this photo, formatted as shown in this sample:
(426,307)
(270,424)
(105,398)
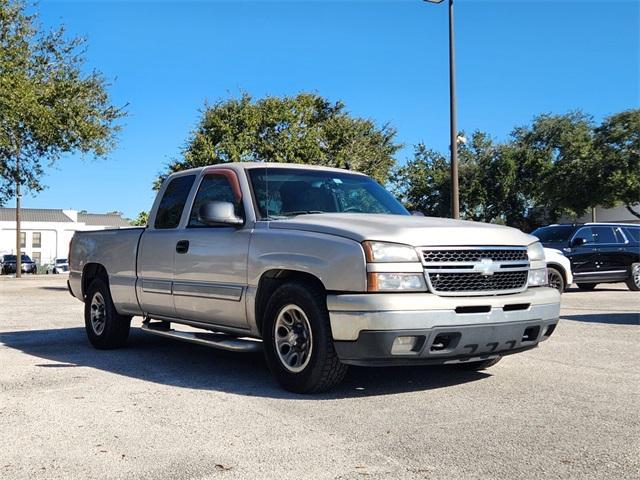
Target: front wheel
(633,282)
(297,339)
(556,280)
(586,286)
(105,327)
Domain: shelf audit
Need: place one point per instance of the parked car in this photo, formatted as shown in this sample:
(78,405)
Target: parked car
(59,265)
(558,268)
(8,264)
(319,267)
(598,252)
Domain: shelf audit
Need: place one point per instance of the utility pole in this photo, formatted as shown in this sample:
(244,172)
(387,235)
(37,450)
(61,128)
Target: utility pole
(18,251)
(453,129)
(455,194)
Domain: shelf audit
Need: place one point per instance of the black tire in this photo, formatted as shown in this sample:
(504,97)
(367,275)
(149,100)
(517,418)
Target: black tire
(475,366)
(586,286)
(323,369)
(109,330)
(633,282)
(556,279)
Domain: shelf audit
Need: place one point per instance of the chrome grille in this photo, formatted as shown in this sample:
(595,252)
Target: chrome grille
(473,255)
(451,271)
(476,282)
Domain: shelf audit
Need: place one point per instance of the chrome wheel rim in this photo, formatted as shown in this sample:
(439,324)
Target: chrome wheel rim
(98,313)
(636,275)
(555,280)
(293,338)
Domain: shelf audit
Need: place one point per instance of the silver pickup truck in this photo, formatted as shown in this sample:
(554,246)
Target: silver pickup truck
(319,267)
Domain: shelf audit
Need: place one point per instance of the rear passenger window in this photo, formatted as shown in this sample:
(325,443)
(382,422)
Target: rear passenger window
(633,233)
(604,235)
(172,203)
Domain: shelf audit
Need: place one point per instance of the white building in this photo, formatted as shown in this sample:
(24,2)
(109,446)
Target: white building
(609,215)
(46,233)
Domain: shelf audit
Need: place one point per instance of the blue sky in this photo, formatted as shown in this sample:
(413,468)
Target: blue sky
(387,60)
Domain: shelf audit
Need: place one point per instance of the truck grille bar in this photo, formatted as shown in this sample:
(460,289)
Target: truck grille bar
(457,271)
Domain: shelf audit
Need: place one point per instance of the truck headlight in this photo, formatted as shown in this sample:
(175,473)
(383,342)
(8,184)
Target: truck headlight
(395,282)
(389,252)
(538,277)
(535,251)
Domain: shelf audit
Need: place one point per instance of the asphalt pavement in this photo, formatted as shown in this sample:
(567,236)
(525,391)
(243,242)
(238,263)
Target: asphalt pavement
(161,409)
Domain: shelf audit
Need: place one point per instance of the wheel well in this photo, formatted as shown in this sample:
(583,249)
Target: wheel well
(271,280)
(90,272)
(559,269)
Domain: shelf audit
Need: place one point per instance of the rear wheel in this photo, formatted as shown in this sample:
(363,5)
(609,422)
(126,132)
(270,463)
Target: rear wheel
(556,280)
(475,366)
(586,286)
(105,327)
(633,282)
(297,339)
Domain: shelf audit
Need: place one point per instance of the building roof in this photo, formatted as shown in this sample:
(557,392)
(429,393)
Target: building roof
(103,219)
(34,215)
(59,215)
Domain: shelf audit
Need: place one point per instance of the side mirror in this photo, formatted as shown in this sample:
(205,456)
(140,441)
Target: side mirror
(578,241)
(219,213)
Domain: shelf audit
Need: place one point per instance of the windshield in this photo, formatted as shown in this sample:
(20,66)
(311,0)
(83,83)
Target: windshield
(285,192)
(61,260)
(554,234)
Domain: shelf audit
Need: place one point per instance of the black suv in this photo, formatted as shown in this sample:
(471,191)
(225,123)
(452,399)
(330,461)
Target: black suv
(599,252)
(8,264)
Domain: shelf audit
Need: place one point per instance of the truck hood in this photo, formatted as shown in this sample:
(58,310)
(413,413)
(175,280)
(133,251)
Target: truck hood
(409,230)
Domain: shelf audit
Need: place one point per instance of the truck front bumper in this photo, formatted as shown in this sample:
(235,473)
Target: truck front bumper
(365,327)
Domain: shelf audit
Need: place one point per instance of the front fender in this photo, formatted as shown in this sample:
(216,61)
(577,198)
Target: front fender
(338,262)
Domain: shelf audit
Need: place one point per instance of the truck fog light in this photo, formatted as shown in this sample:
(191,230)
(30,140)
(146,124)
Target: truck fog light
(405,345)
(538,277)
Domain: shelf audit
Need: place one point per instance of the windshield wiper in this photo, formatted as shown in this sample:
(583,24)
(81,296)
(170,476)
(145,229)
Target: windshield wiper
(300,212)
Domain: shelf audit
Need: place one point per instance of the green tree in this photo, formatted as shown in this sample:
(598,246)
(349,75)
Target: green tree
(558,158)
(305,128)
(618,142)
(48,104)
(141,220)
(486,174)
(423,183)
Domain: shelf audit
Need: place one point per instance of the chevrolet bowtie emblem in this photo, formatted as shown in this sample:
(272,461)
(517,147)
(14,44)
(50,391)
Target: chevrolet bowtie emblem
(486,267)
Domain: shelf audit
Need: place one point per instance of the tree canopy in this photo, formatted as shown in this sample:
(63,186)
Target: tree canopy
(49,104)
(559,164)
(305,128)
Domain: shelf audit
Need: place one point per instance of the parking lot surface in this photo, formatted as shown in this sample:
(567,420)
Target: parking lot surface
(163,409)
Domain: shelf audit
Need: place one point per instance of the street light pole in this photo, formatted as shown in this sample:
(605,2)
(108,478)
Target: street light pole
(18,234)
(453,129)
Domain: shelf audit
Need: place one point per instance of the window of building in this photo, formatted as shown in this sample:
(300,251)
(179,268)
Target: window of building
(23,239)
(35,256)
(172,203)
(36,240)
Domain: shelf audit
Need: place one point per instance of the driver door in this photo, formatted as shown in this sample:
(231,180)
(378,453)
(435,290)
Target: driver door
(210,268)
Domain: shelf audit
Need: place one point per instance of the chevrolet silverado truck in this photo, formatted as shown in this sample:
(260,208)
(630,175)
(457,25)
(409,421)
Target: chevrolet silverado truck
(320,268)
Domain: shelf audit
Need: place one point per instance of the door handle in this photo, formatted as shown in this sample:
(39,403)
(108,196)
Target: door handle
(182,246)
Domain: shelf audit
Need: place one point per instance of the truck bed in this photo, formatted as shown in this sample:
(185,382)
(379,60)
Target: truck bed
(116,250)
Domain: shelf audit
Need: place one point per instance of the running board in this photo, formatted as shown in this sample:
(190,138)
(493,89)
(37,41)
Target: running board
(208,339)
